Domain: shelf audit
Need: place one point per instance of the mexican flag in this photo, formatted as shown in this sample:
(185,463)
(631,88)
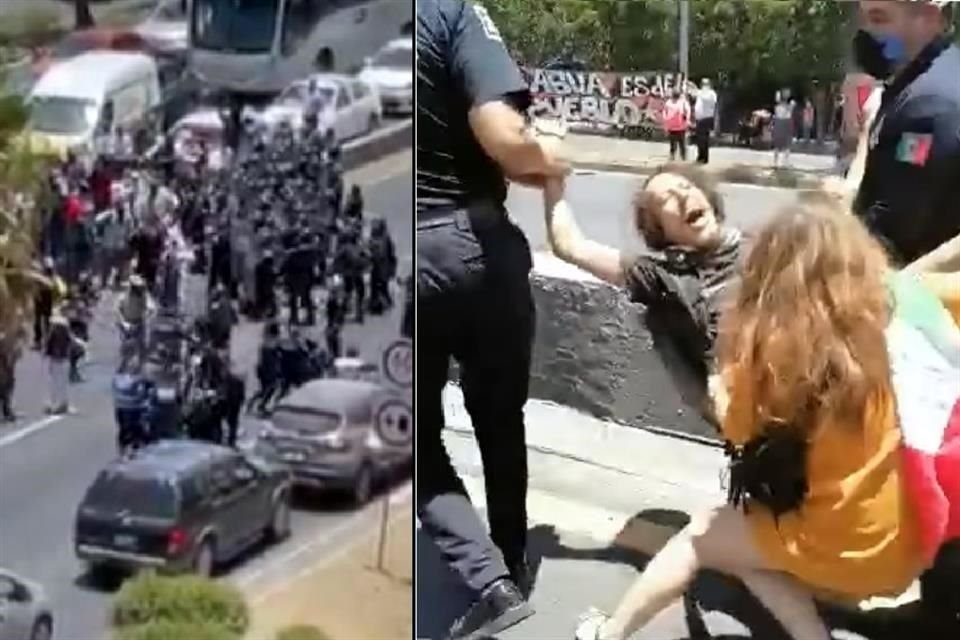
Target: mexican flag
(923,343)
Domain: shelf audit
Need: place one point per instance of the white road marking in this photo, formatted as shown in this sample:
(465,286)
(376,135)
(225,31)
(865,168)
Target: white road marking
(30,429)
(245,578)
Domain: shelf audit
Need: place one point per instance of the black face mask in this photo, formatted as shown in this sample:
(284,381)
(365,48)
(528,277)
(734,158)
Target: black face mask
(868,54)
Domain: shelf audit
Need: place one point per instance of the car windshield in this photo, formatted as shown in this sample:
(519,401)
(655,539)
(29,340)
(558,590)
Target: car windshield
(394,58)
(297,94)
(143,497)
(304,419)
(239,26)
(62,115)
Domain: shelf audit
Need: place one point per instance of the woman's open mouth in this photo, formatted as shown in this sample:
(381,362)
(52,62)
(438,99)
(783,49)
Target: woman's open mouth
(695,217)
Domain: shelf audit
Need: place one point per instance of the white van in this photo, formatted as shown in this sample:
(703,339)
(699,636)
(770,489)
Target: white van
(80,100)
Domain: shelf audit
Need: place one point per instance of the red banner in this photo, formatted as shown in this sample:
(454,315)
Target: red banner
(601,97)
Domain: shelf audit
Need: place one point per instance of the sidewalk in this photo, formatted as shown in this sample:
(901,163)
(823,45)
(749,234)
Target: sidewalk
(344,594)
(603,498)
(730,164)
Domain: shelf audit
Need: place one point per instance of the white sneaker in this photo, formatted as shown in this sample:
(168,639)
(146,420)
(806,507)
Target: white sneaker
(589,624)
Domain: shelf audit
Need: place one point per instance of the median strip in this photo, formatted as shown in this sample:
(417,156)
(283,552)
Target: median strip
(344,594)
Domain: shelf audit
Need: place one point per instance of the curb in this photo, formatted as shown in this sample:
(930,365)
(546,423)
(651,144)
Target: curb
(743,174)
(379,143)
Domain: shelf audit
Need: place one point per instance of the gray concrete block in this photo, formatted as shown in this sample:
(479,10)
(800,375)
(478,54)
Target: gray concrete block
(597,352)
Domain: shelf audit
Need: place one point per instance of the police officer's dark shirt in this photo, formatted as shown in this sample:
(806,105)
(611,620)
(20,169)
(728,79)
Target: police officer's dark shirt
(461,63)
(910,193)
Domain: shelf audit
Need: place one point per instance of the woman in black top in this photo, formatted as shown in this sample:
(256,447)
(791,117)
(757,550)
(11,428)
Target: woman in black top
(691,262)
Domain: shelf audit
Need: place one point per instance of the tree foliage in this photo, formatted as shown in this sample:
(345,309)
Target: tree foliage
(22,196)
(736,41)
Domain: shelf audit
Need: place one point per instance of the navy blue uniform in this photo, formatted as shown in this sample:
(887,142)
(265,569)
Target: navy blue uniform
(910,194)
(474,301)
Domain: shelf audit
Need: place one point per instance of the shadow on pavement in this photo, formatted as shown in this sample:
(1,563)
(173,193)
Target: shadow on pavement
(716,607)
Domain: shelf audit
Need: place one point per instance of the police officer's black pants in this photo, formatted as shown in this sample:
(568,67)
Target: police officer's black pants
(300,296)
(333,342)
(702,135)
(474,304)
(379,293)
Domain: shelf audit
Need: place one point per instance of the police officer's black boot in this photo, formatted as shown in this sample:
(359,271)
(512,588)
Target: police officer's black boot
(359,288)
(500,606)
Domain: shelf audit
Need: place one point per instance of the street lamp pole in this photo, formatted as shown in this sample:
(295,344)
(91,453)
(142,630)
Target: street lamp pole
(684,38)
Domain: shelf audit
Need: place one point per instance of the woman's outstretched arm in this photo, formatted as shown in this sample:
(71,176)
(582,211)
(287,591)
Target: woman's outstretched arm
(570,245)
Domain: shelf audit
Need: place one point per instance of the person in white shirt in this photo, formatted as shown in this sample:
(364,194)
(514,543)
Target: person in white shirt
(705,113)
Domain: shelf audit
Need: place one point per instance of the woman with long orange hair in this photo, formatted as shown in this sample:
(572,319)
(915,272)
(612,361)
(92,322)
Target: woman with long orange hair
(817,504)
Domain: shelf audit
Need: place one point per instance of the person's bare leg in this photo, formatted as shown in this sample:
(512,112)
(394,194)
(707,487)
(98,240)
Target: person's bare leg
(719,539)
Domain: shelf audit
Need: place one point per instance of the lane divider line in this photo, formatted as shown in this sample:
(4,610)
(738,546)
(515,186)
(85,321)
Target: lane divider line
(28,430)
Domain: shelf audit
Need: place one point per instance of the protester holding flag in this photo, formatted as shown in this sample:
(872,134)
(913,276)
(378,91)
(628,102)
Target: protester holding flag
(843,430)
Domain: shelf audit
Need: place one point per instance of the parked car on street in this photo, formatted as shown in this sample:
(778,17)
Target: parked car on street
(349,107)
(25,612)
(180,505)
(391,72)
(331,433)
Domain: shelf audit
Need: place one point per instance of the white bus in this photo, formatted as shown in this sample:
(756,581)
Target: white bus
(261,46)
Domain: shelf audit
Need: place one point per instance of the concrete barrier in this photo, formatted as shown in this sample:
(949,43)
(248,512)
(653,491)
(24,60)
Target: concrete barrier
(597,352)
(381,142)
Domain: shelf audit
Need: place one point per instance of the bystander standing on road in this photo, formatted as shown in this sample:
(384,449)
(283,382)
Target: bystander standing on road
(910,188)
(676,122)
(705,113)
(474,301)
(783,129)
(809,118)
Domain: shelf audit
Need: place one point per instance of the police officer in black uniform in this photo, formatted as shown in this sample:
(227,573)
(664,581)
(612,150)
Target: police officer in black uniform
(910,190)
(474,301)
(336,316)
(351,262)
(298,277)
(383,266)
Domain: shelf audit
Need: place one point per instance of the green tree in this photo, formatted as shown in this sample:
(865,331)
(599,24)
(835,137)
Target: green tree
(22,196)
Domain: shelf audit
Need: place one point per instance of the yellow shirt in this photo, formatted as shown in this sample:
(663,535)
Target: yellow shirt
(854,536)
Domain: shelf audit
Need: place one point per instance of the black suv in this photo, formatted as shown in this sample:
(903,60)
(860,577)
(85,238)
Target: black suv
(180,505)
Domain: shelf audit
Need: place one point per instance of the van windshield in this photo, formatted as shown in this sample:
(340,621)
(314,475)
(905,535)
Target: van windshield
(394,58)
(240,26)
(138,496)
(62,115)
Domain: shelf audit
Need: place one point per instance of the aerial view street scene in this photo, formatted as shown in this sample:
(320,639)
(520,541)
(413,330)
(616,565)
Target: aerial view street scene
(207,319)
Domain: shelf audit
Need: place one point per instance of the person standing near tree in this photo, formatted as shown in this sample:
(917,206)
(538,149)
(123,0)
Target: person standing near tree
(705,113)
(676,122)
(783,129)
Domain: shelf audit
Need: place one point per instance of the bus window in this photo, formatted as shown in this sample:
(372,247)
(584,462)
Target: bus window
(239,26)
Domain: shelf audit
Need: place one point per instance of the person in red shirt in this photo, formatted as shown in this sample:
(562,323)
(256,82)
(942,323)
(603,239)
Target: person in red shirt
(676,122)
(101,181)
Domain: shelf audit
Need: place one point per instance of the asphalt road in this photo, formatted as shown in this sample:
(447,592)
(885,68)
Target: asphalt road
(601,204)
(46,463)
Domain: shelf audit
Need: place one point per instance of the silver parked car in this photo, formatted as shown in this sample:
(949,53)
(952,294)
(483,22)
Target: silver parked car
(25,613)
(340,434)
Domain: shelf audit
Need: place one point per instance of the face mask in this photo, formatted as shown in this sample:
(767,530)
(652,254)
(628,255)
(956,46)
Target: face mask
(878,54)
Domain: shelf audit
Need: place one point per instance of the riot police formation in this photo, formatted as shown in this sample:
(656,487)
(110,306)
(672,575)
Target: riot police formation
(273,239)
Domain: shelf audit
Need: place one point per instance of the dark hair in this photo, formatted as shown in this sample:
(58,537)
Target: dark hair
(645,211)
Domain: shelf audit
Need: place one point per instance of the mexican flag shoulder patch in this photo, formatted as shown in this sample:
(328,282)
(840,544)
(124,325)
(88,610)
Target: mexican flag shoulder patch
(914,148)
